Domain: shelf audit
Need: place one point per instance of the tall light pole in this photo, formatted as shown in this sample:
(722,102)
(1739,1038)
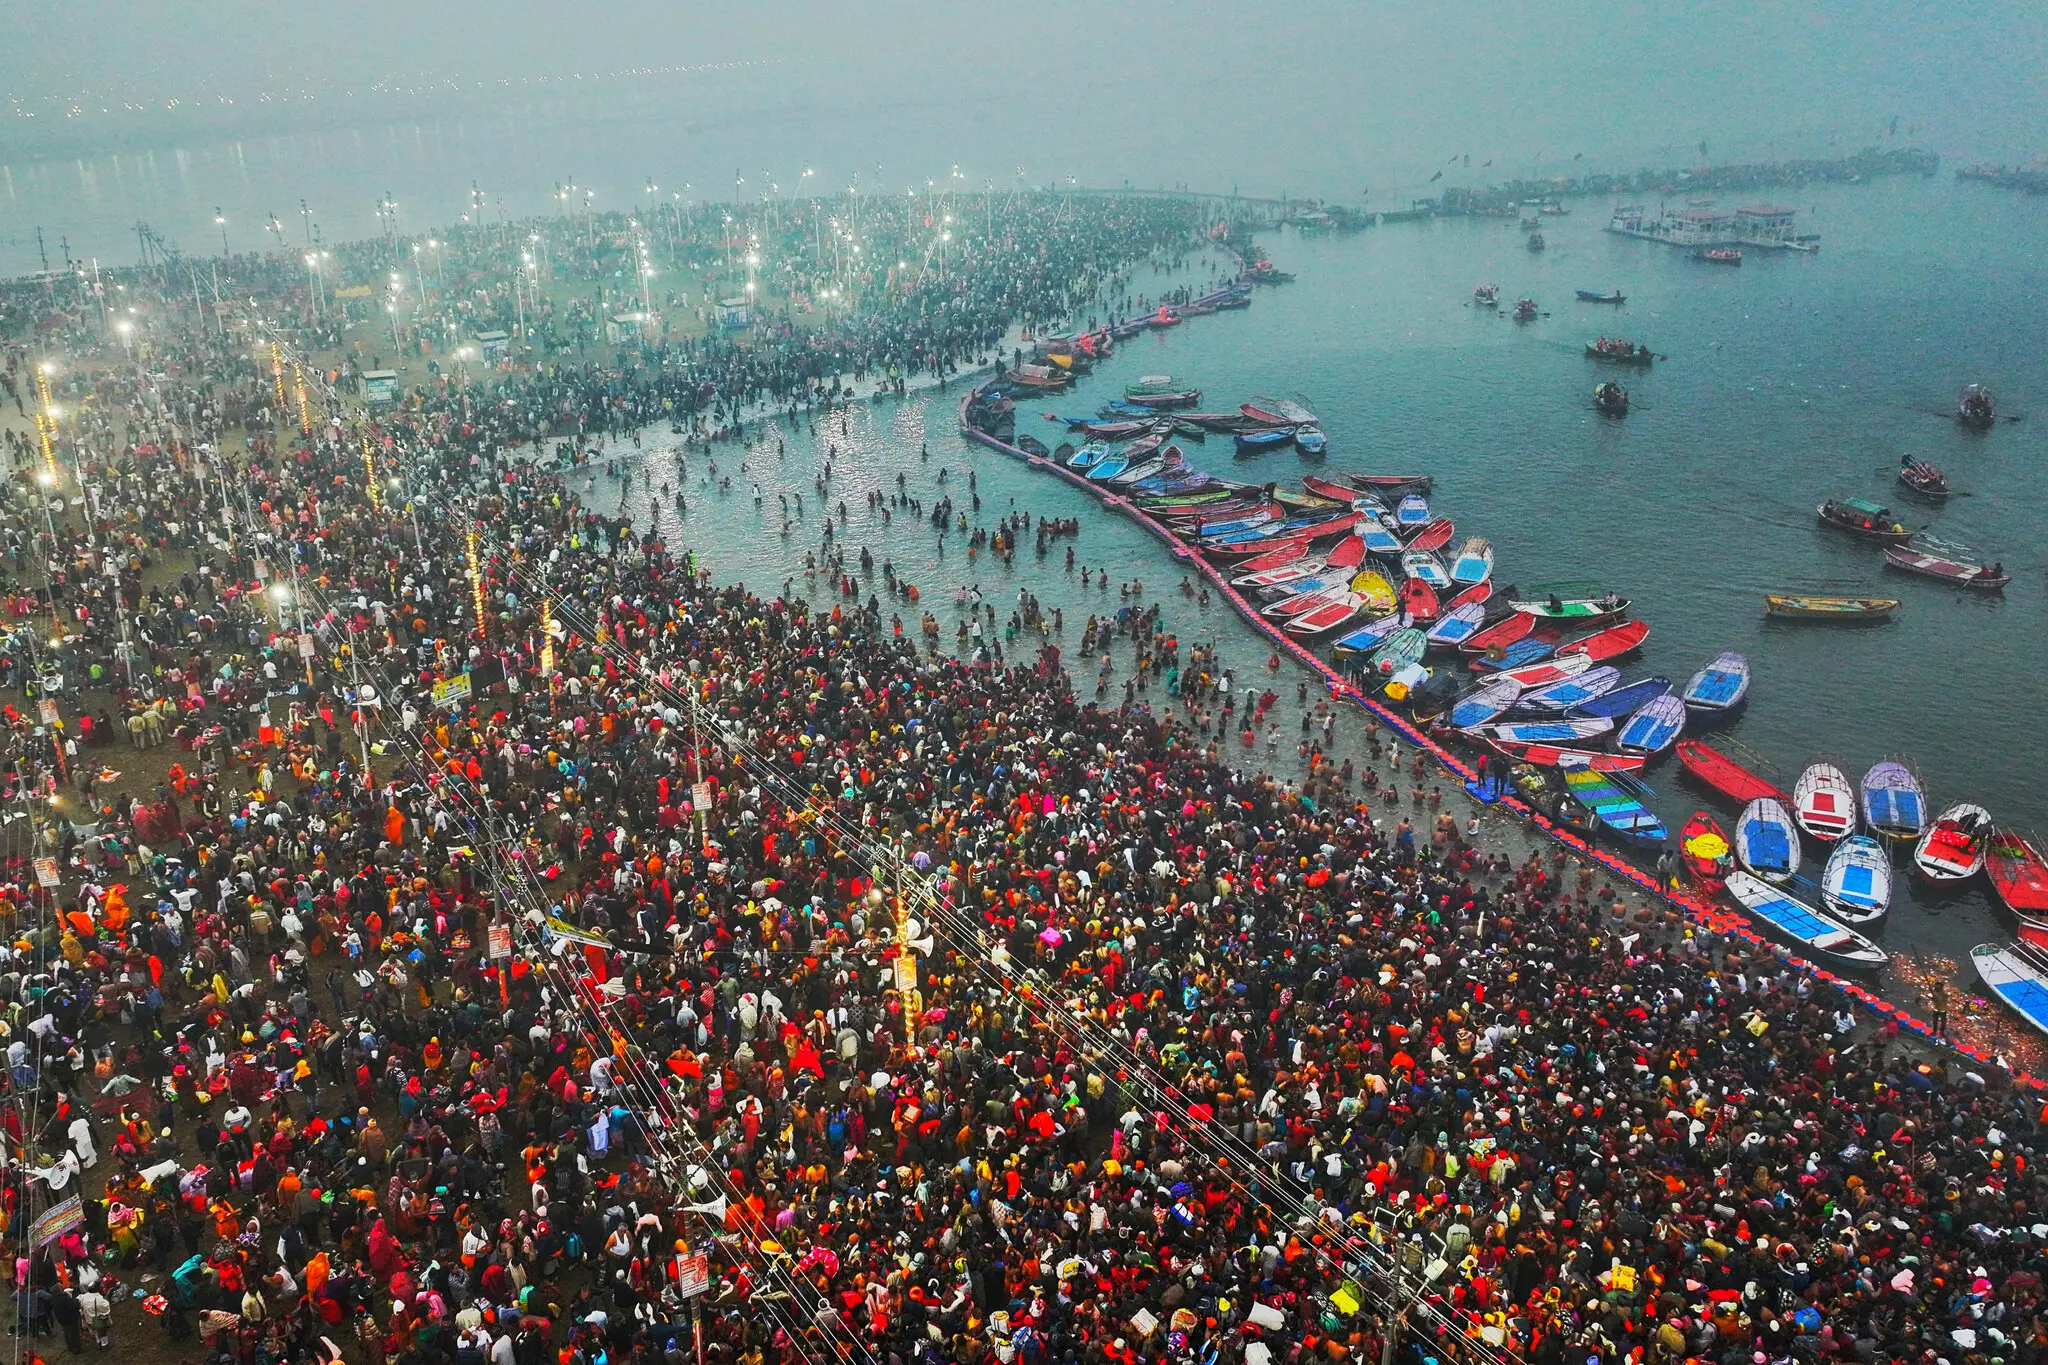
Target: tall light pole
(220,220)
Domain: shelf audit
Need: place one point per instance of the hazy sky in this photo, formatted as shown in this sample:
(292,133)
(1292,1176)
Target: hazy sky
(1319,97)
(1501,75)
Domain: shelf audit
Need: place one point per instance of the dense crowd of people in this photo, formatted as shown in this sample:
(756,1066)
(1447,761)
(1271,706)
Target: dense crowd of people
(498,941)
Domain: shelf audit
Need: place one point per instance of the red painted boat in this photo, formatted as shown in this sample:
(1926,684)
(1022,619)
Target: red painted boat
(1552,756)
(1724,774)
(1420,601)
(1330,488)
(1277,559)
(1610,643)
(1477,593)
(1322,530)
(2020,876)
(1434,535)
(1387,483)
(1500,634)
(1349,553)
(1704,846)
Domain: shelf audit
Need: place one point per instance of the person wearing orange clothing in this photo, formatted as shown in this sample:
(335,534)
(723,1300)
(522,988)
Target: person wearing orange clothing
(394,826)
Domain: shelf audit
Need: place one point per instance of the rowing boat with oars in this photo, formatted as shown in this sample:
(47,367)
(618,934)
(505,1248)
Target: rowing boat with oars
(1800,607)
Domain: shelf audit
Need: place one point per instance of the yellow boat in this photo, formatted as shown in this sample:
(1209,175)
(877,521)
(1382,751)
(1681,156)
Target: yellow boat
(1376,590)
(1829,608)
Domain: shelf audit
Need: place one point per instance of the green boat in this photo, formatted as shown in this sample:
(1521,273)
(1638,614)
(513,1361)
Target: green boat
(1201,499)
(1403,647)
(1578,608)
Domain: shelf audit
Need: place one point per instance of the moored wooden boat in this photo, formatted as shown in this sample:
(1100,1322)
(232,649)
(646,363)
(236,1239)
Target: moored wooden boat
(1491,699)
(1576,611)
(1379,538)
(1339,611)
(1613,799)
(1810,931)
(1544,731)
(1548,671)
(1501,634)
(1309,440)
(2018,874)
(1707,854)
(1425,566)
(1720,687)
(1474,561)
(1419,600)
(1625,700)
(1390,485)
(1533,649)
(1268,438)
(1724,775)
(1894,806)
(1555,756)
(1558,697)
(1593,296)
(1654,727)
(1856,884)
(1611,643)
(1824,802)
(1434,535)
(1397,651)
(1955,846)
(2017,974)
(1766,841)
(1376,588)
(1369,636)
(1412,514)
(1457,625)
(1843,609)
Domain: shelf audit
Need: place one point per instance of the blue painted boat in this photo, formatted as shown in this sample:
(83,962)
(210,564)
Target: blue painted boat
(1268,531)
(1089,456)
(1545,731)
(1474,561)
(1894,806)
(1310,440)
(2017,978)
(1654,727)
(1766,841)
(1720,687)
(1369,636)
(1856,884)
(1109,467)
(1378,539)
(1528,650)
(1259,442)
(1457,625)
(1412,514)
(1811,932)
(1559,697)
(1616,806)
(1425,566)
(1486,702)
(1623,701)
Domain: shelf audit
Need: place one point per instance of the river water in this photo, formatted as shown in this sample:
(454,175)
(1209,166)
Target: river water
(1791,379)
